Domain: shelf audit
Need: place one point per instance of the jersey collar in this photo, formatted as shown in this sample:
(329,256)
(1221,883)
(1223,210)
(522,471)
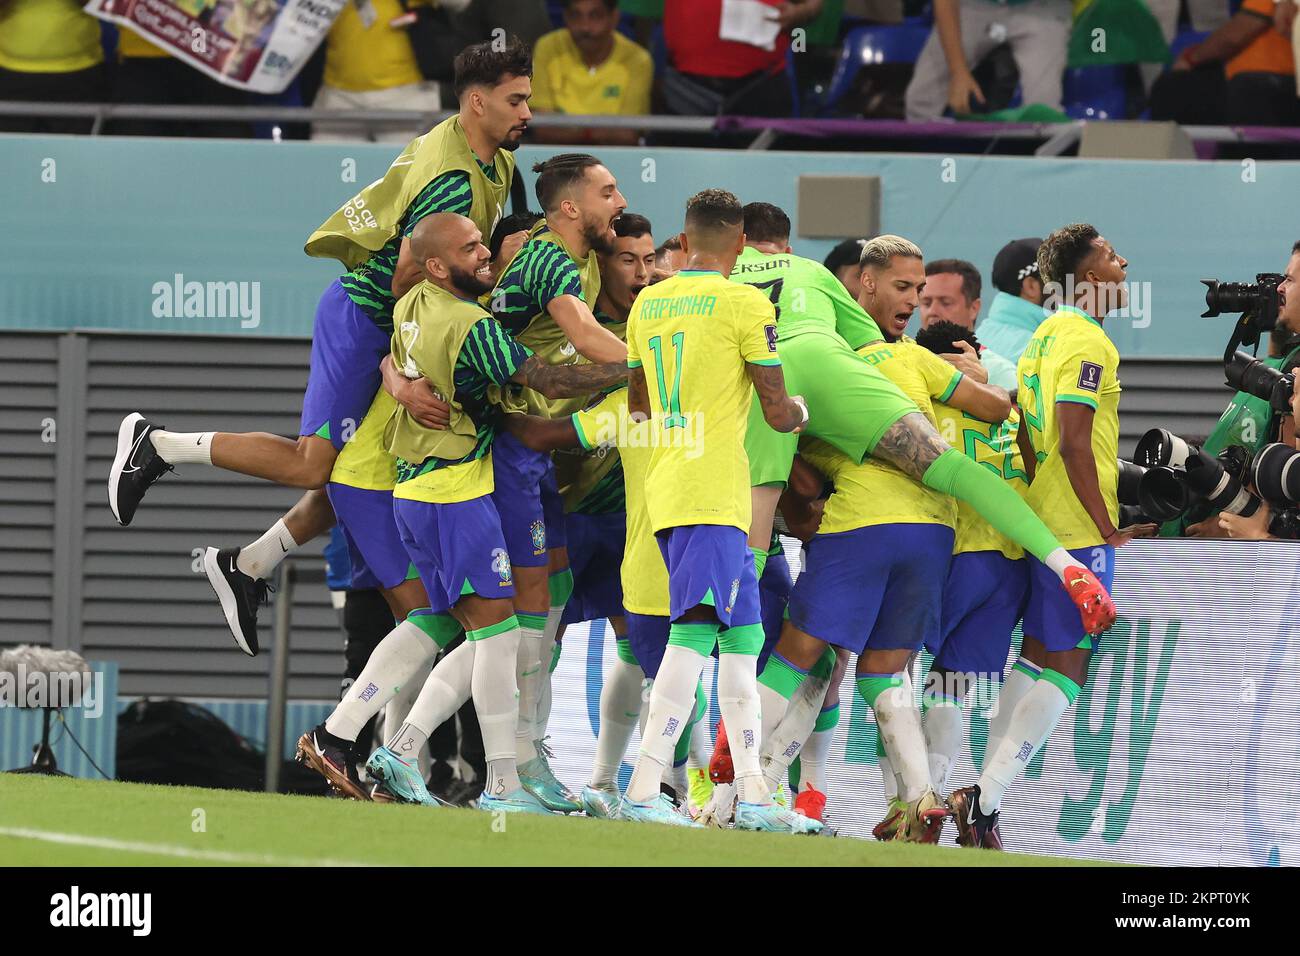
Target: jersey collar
(1079,312)
(698,272)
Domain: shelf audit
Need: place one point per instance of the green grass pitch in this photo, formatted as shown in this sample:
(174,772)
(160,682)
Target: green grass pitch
(67,822)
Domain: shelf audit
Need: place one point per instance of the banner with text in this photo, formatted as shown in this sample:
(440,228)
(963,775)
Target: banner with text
(1183,749)
(256,45)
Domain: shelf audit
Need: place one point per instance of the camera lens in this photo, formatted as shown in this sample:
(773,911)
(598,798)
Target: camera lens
(1130,477)
(1245,373)
(1162,494)
(1276,474)
(1208,478)
(1159,447)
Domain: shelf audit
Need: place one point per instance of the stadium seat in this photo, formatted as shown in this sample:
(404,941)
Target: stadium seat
(870,45)
(1095,93)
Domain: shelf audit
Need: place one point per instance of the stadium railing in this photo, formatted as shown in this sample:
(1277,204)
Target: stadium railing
(291,572)
(1054,137)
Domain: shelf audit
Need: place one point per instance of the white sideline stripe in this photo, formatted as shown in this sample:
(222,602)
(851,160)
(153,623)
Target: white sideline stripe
(164,849)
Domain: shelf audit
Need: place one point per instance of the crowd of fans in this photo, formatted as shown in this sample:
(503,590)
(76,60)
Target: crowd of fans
(1193,61)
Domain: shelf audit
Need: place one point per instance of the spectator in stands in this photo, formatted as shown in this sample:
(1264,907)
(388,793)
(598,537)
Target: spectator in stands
(150,75)
(736,66)
(1243,73)
(966,31)
(1017,309)
(588,67)
(370,64)
(952,294)
(1204,16)
(49,53)
(526,19)
(844,261)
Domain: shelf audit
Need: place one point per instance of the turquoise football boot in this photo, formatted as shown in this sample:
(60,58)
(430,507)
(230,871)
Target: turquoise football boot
(397,781)
(516,801)
(773,818)
(658,810)
(537,778)
(600,803)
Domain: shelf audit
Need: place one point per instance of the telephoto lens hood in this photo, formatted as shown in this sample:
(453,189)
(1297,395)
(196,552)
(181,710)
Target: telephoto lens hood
(1160,447)
(1275,473)
(1162,494)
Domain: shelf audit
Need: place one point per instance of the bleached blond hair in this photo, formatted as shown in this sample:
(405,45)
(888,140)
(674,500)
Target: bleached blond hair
(880,250)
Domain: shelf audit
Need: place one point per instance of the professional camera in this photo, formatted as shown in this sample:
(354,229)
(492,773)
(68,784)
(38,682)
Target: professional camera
(1257,302)
(1245,373)
(1275,472)
(1172,463)
(1150,494)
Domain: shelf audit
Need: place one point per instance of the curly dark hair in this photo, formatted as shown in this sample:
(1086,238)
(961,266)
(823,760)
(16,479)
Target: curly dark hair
(1064,251)
(483,65)
(714,209)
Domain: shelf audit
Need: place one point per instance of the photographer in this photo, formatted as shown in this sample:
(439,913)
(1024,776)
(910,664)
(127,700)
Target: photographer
(1251,421)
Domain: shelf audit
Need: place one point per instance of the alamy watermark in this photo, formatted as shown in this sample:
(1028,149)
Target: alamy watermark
(1120,300)
(35,688)
(181,299)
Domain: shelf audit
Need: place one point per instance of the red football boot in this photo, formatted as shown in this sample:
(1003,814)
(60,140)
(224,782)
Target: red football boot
(720,768)
(1096,609)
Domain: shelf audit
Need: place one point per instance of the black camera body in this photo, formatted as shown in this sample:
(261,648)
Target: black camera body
(1258,302)
(1178,475)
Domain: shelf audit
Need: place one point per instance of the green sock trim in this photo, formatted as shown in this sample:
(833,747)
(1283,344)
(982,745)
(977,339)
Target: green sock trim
(698,636)
(746,639)
(781,676)
(555,657)
(492,630)
(683,749)
(873,686)
(1069,688)
(760,561)
(534,622)
(441,628)
(825,665)
(828,718)
(996,501)
(323,432)
(1026,668)
(623,647)
(560,584)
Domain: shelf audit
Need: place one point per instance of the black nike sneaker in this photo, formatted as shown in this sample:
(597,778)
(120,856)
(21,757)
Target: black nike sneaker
(974,827)
(136,466)
(240,595)
(331,757)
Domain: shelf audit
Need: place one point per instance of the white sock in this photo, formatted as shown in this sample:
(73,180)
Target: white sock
(795,723)
(812,760)
(1035,718)
(396,710)
(1059,560)
(493,687)
(701,749)
(542,717)
(183,448)
(264,555)
(1015,687)
(620,707)
(943,722)
(773,707)
(887,779)
(738,701)
(444,692)
(899,723)
(671,701)
(528,676)
(391,664)
(647,688)
(678,781)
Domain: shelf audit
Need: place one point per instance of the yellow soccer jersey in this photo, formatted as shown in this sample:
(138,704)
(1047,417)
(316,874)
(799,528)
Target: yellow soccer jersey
(874,492)
(695,333)
(364,461)
(563,83)
(1070,359)
(645,578)
(994,447)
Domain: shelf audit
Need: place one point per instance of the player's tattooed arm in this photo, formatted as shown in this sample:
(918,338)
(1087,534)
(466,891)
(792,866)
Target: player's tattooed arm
(911,445)
(541,434)
(592,340)
(781,411)
(638,395)
(568,381)
(416,395)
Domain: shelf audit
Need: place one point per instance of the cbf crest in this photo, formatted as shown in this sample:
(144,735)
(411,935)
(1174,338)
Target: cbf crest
(538,530)
(501,565)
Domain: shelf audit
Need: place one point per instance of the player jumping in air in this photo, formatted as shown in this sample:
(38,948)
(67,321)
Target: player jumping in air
(1069,406)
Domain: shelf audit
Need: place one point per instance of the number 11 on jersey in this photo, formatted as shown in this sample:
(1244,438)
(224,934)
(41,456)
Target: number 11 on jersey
(671,405)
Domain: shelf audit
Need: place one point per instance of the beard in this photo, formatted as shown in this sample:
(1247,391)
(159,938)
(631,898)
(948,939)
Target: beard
(469,284)
(597,237)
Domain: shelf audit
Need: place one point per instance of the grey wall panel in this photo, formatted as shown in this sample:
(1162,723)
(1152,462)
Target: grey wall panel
(28,402)
(1186,397)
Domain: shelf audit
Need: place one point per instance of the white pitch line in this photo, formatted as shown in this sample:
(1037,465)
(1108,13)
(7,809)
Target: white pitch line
(164,849)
